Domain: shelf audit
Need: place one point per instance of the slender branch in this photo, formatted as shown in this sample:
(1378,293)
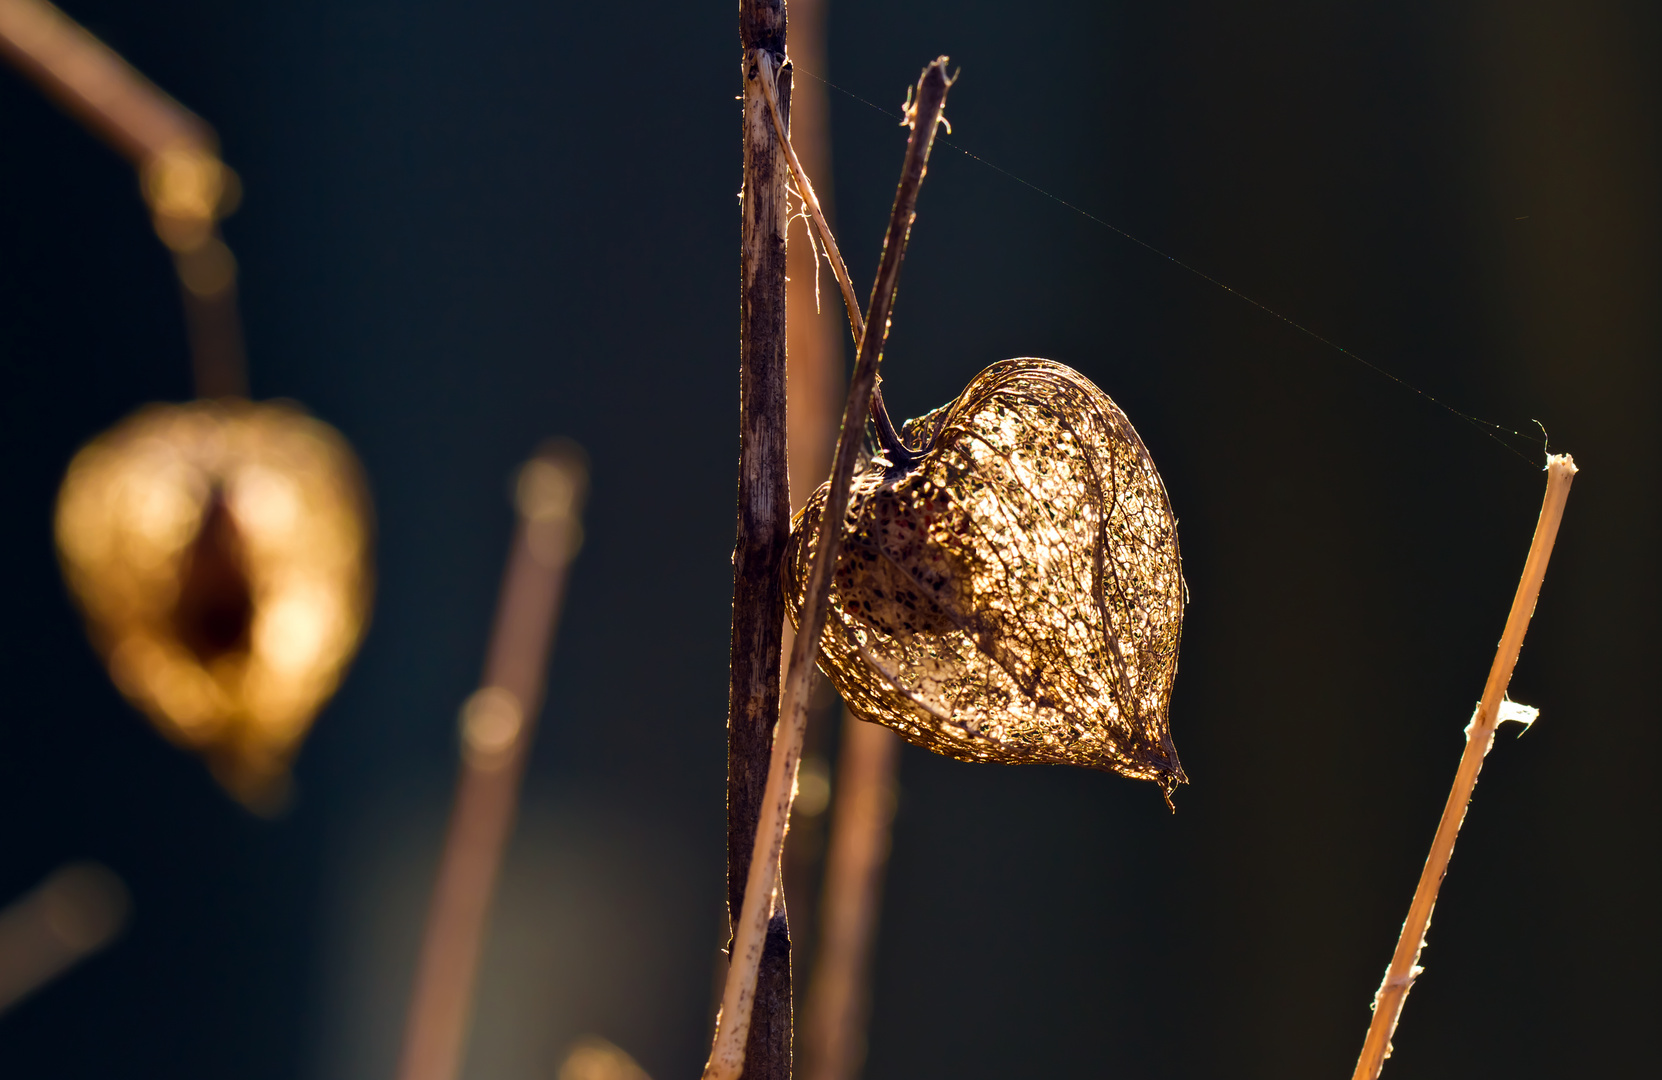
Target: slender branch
(854,836)
(1480,736)
(75,912)
(497,725)
(834,1024)
(805,187)
(763,529)
(899,453)
(176,153)
(727,1055)
(92,82)
(208,286)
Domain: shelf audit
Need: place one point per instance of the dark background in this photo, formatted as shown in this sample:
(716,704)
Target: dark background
(469,226)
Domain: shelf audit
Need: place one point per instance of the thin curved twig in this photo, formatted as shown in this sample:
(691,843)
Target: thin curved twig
(900,455)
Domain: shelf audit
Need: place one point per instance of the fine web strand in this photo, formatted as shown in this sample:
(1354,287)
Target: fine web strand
(1488,427)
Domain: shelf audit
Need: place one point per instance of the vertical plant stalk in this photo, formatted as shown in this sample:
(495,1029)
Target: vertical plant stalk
(814,390)
(1480,736)
(763,529)
(838,998)
(176,153)
(727,1058)
(838,1001)
(497,724)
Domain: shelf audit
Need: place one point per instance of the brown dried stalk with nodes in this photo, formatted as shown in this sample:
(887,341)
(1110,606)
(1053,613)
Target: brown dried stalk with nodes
(751,927)
(762,529)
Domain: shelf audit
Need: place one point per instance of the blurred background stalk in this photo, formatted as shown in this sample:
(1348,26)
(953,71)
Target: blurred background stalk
(176,154)
(71,915)
(497,724)
(844,851)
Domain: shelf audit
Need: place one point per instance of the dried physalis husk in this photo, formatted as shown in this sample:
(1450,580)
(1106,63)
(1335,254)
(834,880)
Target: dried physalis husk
(220,551)
(1015,593)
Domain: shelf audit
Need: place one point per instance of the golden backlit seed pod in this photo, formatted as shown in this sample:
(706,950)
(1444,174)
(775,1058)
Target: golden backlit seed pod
(1015,594)
(221,553)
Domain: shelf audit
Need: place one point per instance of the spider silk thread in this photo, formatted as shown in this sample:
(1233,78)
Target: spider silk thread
(1488,427)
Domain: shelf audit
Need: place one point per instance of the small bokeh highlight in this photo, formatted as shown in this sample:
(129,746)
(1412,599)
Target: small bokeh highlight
(221,553)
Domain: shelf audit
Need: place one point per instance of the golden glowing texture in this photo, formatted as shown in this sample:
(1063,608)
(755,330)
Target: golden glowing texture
(220,551)
(1016,594)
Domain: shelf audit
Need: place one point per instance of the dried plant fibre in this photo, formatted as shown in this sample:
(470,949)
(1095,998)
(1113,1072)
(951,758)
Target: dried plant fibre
(1011,592)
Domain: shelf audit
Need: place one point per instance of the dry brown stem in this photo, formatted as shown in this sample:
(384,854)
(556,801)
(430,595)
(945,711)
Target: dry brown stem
(497,724)
(763,527)
(810,198)
(727,1056)
(1480,736)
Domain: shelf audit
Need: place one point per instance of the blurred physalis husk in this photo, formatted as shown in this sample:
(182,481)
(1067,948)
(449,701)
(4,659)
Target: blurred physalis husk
(593,1058)
(221,553)
(1014,594)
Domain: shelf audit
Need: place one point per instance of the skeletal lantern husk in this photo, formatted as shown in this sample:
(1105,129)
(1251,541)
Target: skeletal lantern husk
(220,551)
(1016,594)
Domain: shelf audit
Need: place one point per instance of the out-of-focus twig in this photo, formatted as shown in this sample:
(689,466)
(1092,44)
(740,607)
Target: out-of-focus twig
(94,84)
(497,723)
(813,385)
(839,995)
(74,913)
(1480,736)
(186,185)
